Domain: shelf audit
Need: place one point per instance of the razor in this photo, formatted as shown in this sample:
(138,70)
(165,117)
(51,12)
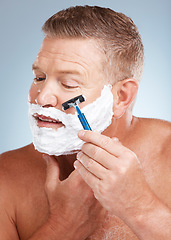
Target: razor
(74,103)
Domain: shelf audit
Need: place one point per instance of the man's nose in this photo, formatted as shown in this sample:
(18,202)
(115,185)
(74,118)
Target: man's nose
(47,94)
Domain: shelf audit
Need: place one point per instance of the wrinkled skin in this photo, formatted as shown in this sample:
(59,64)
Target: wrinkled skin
(123,173)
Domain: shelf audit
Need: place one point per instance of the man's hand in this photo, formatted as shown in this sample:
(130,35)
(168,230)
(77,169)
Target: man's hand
(114,174)
(73,207)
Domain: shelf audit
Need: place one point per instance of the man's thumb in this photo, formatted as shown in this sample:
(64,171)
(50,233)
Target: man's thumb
(53,172)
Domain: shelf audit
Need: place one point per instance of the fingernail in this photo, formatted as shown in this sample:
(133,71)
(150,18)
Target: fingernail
(76,164)
(115,139)
(81,133)
(79,155)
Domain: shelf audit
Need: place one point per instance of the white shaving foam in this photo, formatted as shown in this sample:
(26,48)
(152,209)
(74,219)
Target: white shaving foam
(64,140)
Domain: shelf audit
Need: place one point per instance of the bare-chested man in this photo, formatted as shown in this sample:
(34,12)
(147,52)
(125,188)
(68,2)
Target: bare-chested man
(118,185)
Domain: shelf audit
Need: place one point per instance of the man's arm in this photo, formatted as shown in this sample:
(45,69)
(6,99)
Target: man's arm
(8,229)
(116,178)
(154,222)
(73,210)
(48,232)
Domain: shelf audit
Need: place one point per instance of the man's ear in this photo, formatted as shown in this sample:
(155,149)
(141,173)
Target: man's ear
(124,94)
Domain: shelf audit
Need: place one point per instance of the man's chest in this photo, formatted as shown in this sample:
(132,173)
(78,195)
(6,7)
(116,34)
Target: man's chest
(110,227)
(113,228)
(33,211)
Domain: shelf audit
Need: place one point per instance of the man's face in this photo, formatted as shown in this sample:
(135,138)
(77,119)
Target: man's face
(63,69)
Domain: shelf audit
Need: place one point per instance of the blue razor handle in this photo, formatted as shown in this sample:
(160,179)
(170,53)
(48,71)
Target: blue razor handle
(83,119)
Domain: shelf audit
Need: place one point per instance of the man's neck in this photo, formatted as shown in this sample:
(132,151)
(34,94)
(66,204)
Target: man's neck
(122,127)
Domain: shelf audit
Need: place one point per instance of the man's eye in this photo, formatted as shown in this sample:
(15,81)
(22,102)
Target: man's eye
(39,79)
(69,86)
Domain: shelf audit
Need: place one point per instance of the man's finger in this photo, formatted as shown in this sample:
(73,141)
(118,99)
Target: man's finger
(92,166)
(88,177)
(53,172)
(98,154)
(111,145)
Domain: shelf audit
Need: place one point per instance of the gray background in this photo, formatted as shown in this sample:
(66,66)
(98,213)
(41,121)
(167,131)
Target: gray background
(20,40)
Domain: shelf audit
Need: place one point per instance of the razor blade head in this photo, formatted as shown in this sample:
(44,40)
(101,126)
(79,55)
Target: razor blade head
(73,102)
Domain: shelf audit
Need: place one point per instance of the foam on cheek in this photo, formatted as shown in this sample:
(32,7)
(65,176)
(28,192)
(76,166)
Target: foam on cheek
(65,140)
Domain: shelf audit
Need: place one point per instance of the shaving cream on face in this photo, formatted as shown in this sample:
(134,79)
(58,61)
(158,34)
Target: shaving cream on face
(64,140)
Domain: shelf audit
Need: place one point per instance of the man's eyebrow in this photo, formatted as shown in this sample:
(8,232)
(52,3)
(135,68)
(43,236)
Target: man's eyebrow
(72,73)
(69,72)
(62,72)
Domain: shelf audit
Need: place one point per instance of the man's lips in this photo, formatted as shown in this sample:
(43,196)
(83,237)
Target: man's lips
(44,121)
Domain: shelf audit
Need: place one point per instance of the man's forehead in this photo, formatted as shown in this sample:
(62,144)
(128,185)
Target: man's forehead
(78,42)
(79,51)
(74,47)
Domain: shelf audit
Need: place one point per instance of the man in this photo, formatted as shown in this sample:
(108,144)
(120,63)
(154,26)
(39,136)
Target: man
(120,187)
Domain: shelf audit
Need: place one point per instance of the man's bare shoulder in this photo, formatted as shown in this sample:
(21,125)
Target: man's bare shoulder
(19,153)
(21,166)
(157,135)
(24,155)
(155,123)
(159,129)
(163,135)
(22,195)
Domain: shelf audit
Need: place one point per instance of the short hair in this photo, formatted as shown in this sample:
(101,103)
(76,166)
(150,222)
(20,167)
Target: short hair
(116,34)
